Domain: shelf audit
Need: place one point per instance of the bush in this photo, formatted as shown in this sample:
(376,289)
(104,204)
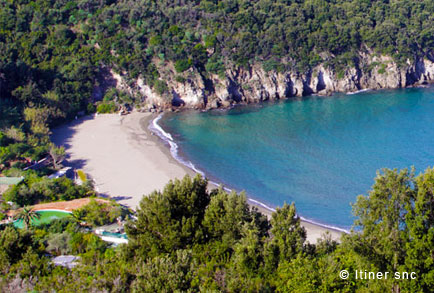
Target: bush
(182,65)
(273,65)
(155,40)
(215,65)
(160,86)
(91,108)
(179,79)
(58,225)
(104,108)
(382,69)
(98,213)
(35,190)
(59,243)
(110,95)
(81,175)
(4,140)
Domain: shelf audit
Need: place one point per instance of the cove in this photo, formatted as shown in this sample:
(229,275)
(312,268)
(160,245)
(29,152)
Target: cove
(319,152)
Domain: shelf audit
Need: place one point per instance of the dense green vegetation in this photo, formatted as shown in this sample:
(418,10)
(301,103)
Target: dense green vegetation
(188,239)
(54,56)
(16,148)
(98,213)
(35,189)
(53,53)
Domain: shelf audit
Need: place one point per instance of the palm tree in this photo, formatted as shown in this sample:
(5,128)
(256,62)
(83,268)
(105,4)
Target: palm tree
(27,215)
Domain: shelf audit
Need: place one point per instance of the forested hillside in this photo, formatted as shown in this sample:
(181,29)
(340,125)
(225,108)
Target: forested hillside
(61,59)
(55,54)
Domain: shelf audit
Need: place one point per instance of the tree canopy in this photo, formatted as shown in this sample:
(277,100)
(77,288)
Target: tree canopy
(54,53)
(228,246)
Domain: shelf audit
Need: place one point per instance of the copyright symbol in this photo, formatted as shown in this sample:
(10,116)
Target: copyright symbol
(344,274)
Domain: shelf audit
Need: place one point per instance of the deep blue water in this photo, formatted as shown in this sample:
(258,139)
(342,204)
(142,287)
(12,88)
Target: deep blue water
(319,152)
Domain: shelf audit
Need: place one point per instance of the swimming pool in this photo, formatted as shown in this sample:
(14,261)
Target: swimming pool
(46,216)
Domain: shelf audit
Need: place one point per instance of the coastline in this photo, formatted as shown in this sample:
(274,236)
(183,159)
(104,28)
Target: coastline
(165,141)
(122,160)
(127,161)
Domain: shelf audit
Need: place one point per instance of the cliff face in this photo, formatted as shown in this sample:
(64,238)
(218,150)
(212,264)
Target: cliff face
(252,85)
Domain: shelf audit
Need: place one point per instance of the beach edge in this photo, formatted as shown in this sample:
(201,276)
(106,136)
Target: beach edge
(314,231)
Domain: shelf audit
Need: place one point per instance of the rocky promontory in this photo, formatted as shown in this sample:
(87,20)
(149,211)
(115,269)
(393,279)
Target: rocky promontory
(240,85)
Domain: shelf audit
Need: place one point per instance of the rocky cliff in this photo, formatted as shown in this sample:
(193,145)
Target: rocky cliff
(239,85)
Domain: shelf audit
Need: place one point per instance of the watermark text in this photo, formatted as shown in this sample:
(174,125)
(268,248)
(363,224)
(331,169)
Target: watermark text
(367,275)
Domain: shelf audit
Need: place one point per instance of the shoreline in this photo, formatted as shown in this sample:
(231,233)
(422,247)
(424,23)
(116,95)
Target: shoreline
(127,161)
(164,140)
(165,145)
(122,160)
(175,109)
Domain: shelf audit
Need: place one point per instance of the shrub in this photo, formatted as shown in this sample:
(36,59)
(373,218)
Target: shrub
(81,175)
(182,65)
(155,40)
(382,70)
(160,86)
(3,139)
(215,65)
(179,79)
(91,108)
(272,65)
(98,213)
(35,190)
(106,108)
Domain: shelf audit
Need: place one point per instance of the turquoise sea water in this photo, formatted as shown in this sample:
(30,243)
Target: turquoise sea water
(319,152)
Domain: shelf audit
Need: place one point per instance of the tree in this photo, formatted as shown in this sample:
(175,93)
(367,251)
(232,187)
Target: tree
(78,216)
(170,219)
(27,215)
(165,274)
(248,252)
(288,236)
(58,155)
(28,93)
(182,65)
(40,118)
(382,219)
(59,243)
(13,244)
(420,249)
(227,214)
(4,140)
(98,213)
(298,275)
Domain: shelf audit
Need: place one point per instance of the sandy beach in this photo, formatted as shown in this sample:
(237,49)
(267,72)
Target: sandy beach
(127,161)
(124,160)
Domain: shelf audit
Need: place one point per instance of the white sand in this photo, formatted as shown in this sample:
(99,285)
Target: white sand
(127,161)
(114,150)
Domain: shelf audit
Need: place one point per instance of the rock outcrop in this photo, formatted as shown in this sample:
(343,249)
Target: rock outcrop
(239,85)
